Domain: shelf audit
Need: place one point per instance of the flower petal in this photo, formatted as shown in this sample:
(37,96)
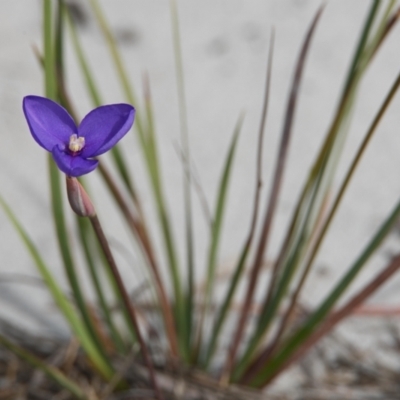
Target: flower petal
(72,165)
(103,127)
(49,123)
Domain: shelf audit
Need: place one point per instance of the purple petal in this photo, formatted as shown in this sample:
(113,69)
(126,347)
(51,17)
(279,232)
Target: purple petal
(72,165)
(103,127)
(49,123)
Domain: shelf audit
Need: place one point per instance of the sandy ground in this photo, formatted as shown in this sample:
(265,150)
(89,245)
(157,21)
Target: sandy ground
(225,46)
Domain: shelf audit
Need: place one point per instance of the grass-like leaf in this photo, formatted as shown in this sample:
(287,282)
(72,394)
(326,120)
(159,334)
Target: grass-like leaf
(62,302)
(187,189)
(313,197)
(223,311)
(264,356)
(152,160)
(272,201)
(220,208)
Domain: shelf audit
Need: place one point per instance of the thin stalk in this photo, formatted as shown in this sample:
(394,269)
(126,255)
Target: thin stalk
(125,297)
(140,232)
(66,255)
(84,237)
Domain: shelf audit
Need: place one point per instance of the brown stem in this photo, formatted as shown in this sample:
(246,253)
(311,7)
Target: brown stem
(140,232)
(125,297)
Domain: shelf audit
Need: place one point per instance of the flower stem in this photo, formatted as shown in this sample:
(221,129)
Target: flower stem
(125,297)
(82,205)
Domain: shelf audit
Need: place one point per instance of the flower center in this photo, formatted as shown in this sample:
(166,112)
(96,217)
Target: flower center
(76,144)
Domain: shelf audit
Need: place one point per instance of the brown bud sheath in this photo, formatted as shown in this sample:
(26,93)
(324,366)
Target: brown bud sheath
(79,199)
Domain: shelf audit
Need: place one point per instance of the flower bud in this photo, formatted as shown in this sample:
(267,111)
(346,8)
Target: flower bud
(79,199)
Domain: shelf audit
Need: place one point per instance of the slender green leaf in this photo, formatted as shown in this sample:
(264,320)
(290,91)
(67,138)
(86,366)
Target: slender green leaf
(216,229)
(188,209)
(152,160)
(220,212)
(62,302)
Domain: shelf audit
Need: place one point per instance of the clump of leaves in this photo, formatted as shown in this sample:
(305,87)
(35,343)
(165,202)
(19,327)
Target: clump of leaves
(189,330)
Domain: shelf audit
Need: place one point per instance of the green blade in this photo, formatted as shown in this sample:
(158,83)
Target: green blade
(216,229)
(188,209)
(62,302)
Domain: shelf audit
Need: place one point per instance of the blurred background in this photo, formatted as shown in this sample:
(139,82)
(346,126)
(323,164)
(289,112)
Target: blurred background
(225,46)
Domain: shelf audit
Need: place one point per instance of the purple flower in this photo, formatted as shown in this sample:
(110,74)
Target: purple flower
(74,147)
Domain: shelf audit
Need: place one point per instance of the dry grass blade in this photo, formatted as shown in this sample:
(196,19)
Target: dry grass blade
(274,194)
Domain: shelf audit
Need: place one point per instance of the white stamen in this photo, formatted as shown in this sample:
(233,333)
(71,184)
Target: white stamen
(76,143)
